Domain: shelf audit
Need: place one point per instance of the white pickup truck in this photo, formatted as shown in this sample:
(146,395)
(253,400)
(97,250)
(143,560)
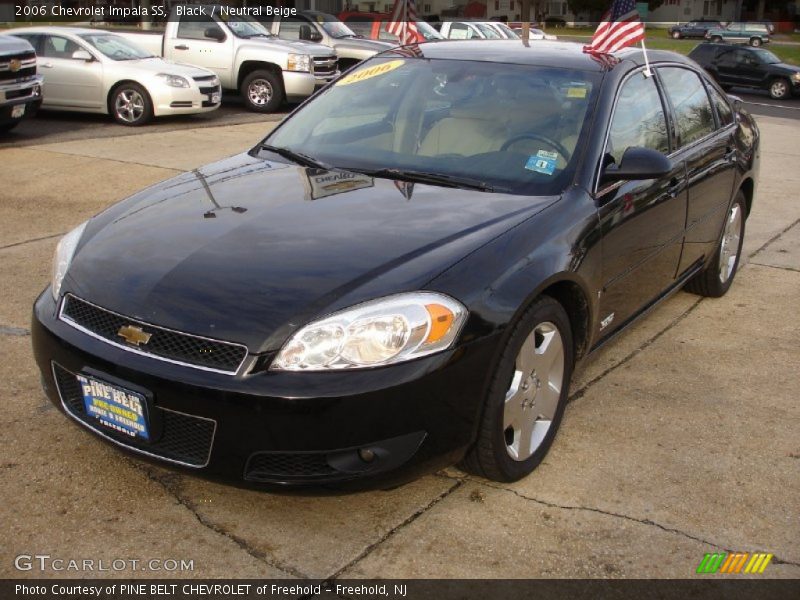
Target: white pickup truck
(264,69)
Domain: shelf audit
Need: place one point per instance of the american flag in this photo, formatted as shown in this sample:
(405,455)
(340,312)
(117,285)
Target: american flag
(403,22)
(620,27)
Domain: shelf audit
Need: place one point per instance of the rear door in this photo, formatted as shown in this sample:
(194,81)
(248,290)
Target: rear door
(642,221)
(705,141)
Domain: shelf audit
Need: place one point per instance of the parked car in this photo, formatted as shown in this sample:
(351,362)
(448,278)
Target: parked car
(469,30)
(536,34)
(100,72)
(504,30)
(693,29)
(373,26)
(20,84)
(326,29)
(265,70)
(415,263)
(742,66)
(754,34)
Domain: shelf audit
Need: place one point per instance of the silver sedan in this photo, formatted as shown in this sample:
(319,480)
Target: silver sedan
(86,70)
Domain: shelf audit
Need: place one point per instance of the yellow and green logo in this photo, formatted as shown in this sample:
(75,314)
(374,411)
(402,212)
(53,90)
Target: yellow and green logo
(734,563)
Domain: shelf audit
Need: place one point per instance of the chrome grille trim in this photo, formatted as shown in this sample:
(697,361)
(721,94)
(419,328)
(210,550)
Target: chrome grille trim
(65,319)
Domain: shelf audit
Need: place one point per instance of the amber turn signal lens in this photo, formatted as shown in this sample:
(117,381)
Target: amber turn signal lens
(441,321)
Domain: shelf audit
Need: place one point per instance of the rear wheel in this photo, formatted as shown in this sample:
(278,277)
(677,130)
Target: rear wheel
(755,42)
(262,91)
(779,89)
(716,279)
(130,105)
(716,39)
(527,396)
(8,126)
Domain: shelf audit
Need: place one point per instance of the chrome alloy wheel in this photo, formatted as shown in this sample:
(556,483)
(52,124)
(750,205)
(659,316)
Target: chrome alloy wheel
(259,92)
(779,89)
(729,247)
(129,106)
(533,396)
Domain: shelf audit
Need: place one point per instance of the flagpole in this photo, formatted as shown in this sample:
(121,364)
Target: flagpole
(647,71)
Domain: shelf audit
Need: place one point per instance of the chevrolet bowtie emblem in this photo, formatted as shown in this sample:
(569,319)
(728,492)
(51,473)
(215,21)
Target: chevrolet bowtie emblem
(15,65)
(134,335)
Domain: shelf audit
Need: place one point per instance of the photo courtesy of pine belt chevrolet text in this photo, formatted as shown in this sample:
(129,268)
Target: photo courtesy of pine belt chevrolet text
(404,274)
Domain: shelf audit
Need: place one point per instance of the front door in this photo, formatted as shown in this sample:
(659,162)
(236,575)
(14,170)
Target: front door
(195,44)
(642,222)
(69,82)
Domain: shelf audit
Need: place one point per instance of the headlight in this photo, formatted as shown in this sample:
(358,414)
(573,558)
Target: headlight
(174,80)
(796,77)
(299,62)
(63,257)
(375,333)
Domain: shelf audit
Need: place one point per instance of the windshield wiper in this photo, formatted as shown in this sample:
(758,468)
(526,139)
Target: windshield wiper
(298,157)
(433,178)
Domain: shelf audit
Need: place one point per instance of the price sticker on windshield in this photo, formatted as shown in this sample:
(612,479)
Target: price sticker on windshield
(370,72)
(542,162)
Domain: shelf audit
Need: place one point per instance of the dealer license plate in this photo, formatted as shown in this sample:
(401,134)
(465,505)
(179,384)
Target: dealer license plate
(215,98)
(115,408)
(18,111)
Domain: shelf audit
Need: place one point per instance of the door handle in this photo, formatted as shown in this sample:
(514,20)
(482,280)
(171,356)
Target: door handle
(182,47)
(675,186)
(730,153)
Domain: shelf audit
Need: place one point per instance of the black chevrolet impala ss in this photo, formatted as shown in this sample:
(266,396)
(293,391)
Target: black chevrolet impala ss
(405,272)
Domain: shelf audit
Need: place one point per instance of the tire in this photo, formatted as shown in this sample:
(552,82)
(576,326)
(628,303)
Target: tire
(716,279)
(755,42)
(780,89)
(716,39)
(500,452)
(130,105)
(9,126)
(262,91)
(676,35)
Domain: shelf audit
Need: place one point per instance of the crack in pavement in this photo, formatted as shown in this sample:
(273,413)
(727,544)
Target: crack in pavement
(15,331)
(39,239)
(648,522)
(116,160)
(792,269)
(171,483)
(773,239)
(391,533)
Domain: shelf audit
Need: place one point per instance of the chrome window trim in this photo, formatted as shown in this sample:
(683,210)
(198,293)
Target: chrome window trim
(54,364)
(64,318)
(596,184)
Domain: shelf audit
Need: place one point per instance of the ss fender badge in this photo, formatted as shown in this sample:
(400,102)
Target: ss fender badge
(606,322)
(134,335)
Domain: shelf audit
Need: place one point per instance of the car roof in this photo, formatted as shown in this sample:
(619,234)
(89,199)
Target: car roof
(53,29)
(540,53)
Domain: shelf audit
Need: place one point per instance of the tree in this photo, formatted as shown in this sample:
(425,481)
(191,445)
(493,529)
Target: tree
(600,6)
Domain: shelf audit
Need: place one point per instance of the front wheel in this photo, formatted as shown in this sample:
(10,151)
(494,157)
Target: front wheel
(716,39)
(130,105)
(716,279)
(779,89)
(9,126)
(526,398)
(676,35)
(755,42)
(262,91)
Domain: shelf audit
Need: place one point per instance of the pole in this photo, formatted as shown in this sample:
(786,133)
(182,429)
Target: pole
(647,71)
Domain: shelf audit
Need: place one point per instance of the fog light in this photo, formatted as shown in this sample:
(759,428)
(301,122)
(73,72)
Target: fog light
(366,455)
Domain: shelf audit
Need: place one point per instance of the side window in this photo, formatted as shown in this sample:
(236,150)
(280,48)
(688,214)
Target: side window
(721,104)
(194,28)
(290,29)
(638,118)
(56,46)
(694,118)
(460,31)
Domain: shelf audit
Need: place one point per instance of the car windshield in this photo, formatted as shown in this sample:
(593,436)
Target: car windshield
(428,32)
(488,31)
(766,56)
(336,29)
(513,128)
(115,47)
(244,26)
(510,34)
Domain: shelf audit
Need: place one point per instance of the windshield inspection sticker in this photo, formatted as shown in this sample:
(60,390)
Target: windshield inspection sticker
(370,72)
(576,92)
(542,162)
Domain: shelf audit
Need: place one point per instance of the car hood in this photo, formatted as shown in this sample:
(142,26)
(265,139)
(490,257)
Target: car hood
(159,65)
(13,45)
(247,250)
(351,43)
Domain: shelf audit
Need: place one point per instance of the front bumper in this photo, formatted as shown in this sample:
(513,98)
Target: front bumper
(184,101)
(279,430)
(13,93)
(299,86)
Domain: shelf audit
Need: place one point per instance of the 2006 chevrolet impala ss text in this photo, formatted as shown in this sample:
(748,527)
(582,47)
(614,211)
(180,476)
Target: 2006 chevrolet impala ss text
(403,274)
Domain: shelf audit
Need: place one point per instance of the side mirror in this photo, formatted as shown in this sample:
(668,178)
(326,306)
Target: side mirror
(215,33)
(82,55)
(638,163)
(305,33)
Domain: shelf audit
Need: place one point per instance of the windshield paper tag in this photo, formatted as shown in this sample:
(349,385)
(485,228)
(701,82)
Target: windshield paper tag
(543,162)
(576,92)
(370,72)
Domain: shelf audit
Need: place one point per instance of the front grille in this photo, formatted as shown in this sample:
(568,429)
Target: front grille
(165,344)
(325,66)
(24,93)
(269,466)
(184,439)
(27,66)
(181,104)
(210,90)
